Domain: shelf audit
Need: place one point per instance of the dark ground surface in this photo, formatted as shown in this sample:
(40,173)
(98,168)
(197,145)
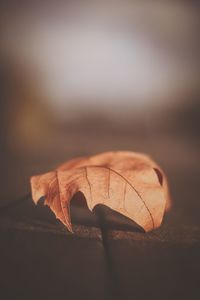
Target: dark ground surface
(107,257)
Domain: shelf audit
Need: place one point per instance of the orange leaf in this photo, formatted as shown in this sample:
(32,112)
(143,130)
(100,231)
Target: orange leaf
(127,182)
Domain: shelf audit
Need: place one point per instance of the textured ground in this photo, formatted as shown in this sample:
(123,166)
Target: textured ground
(107,257)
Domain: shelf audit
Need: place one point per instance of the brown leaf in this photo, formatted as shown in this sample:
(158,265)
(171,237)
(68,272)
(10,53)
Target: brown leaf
(127,182)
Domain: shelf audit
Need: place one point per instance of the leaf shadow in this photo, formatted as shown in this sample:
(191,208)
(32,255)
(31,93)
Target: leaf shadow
(101,215)
(80,213)
(111,219)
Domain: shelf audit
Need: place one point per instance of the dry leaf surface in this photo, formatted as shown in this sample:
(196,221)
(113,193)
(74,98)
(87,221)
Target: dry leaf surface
(127,182)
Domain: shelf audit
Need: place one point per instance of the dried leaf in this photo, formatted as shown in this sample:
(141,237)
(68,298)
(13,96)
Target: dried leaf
(127,182)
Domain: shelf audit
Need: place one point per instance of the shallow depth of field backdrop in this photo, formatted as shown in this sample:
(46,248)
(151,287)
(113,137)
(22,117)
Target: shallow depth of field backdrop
(81,77)
(84,77)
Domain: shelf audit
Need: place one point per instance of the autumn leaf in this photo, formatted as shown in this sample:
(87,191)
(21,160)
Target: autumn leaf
(127,182)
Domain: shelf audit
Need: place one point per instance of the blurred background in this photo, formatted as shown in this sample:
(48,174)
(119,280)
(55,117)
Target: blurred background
(81,77)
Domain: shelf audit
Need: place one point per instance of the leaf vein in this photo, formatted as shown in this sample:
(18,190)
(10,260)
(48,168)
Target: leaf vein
(128,182)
